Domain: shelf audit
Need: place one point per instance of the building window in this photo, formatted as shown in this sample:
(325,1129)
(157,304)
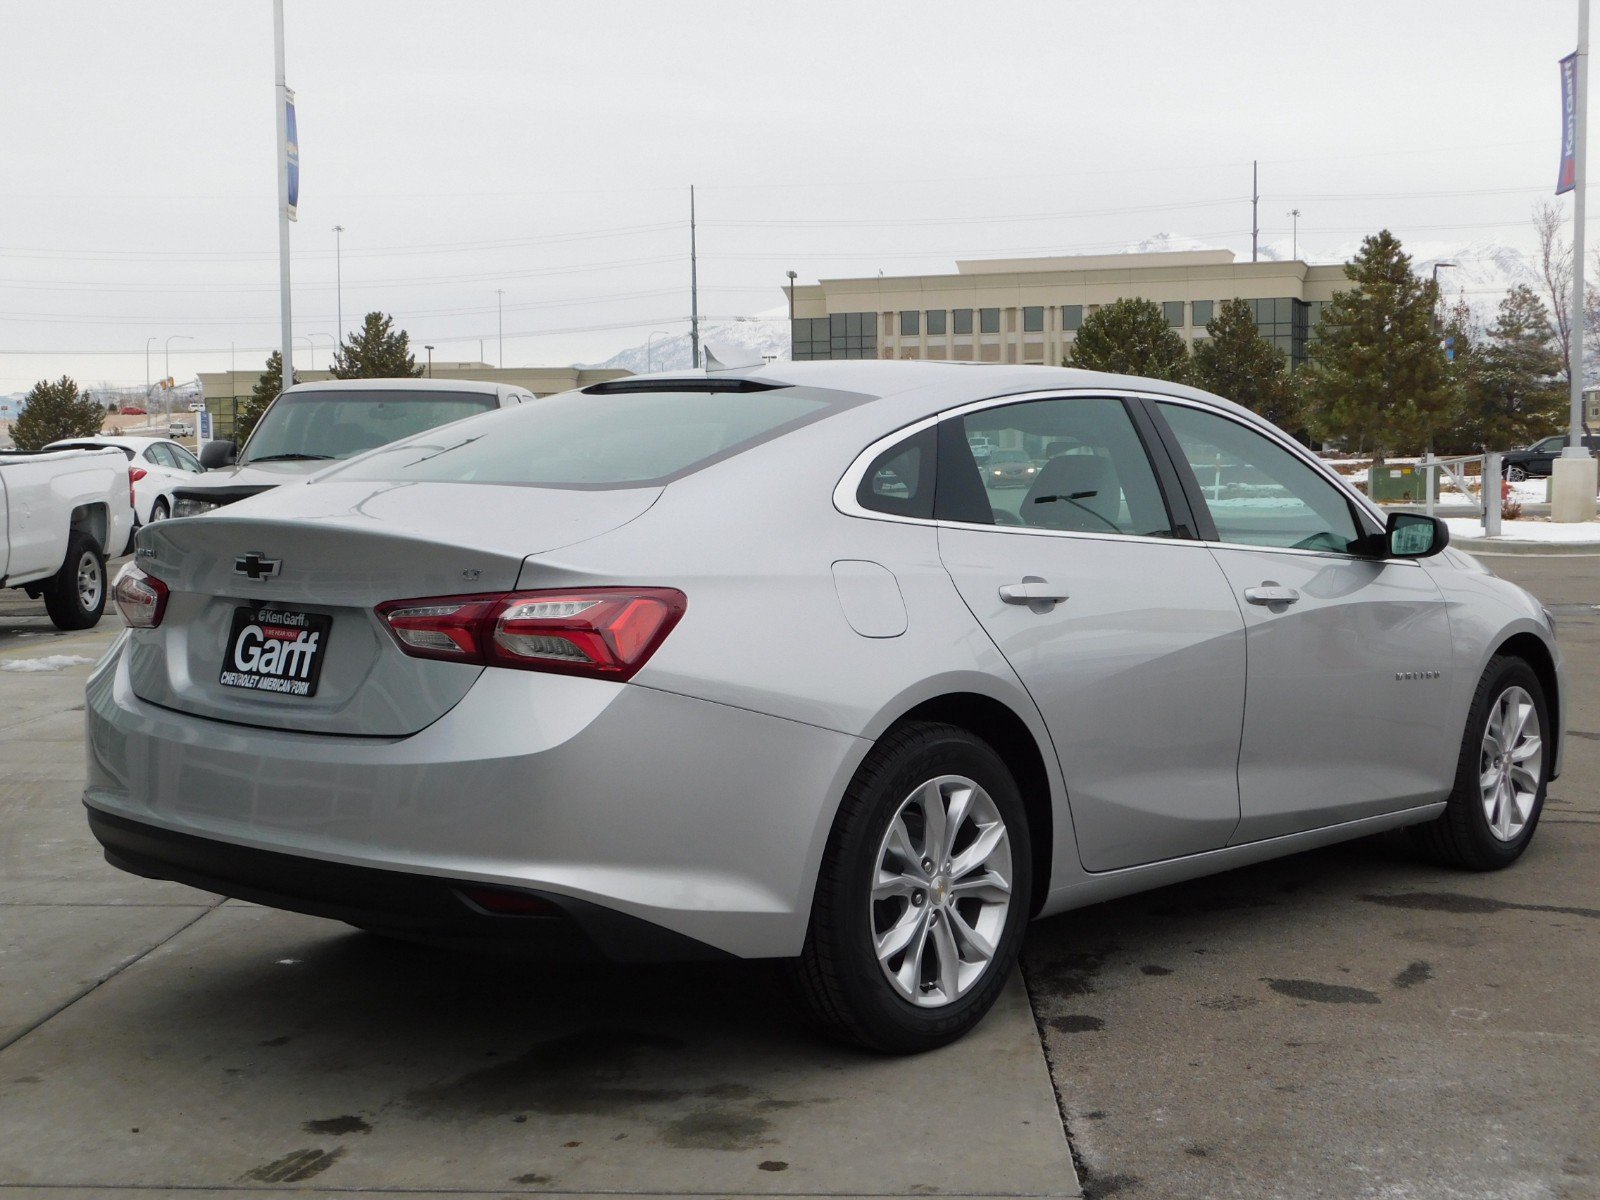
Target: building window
(1172,310)
(935,320)
(910,323)
(963,320)
(989,320)
(1072,316)
(1200,313)
(1033,320)
(842,335)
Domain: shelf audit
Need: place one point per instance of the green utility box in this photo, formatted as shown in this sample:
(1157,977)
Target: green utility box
(1399,483)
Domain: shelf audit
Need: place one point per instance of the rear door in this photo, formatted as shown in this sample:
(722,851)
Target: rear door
(1119,623)
(1346,712)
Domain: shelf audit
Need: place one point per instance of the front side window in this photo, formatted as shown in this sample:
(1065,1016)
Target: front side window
(1258,493)
(1075,465)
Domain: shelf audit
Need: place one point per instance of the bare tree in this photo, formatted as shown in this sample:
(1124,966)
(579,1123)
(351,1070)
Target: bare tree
(1555,272)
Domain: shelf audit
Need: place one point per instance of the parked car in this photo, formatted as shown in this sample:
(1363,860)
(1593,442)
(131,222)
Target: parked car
(156,466)
(133,410)
(757,663)
(1536,462)
(59,511)
(180,429)
(312,424)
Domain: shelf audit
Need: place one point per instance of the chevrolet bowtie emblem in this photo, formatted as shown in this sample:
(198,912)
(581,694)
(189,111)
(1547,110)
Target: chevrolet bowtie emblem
(257,566)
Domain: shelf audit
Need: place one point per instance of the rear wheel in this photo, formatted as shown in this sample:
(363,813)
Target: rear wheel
(1516,474)
(1501,775)
(923,893)
(76,595)
(159,510)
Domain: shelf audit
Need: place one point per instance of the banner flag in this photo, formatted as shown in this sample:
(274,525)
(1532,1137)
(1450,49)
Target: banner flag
(291,152)
(1565,179)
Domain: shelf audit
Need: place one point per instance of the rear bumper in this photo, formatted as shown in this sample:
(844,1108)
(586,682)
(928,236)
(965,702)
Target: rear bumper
(395,902)
(698,819)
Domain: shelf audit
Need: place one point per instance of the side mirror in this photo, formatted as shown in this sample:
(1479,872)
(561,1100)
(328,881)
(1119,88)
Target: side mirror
(1413,535)
(216,454)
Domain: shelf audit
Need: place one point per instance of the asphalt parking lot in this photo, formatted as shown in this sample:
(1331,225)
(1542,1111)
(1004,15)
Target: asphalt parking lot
(1346,1023)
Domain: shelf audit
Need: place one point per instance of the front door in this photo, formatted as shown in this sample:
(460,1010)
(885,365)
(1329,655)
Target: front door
(1347,703)
(1123,630)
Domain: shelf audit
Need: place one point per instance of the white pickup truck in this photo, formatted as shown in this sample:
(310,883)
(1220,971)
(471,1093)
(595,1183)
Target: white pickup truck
(60,512)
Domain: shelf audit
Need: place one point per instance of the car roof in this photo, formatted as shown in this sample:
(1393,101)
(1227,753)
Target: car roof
(405,384)
(131,441)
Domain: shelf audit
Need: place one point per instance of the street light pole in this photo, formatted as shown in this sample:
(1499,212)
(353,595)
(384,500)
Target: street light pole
(500,322)
(167,392)
(338,275)
(147,342)
(429,349)
(281,97)
(1294,238)
(792,277)
(649,346)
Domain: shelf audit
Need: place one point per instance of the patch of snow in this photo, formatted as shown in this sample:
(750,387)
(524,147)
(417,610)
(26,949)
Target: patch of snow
(1465,529)
(765,335)
(50,662)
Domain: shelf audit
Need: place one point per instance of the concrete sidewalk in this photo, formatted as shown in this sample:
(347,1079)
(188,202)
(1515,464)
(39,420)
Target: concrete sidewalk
(157,1040)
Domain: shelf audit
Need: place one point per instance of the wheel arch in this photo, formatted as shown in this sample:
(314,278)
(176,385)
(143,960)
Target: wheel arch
(92,519)
(999,725)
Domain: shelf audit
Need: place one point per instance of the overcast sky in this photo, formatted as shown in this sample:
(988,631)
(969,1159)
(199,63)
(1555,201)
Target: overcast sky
(547,149)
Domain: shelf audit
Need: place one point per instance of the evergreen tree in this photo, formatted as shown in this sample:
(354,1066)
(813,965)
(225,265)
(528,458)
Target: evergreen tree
(1377,374)
(1130,337)
(1510,385)
(376,351)
(55,411)
(263,394)
(1237,363)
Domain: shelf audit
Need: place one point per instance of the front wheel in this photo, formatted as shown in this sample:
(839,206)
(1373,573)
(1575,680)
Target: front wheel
(1516,474)
(159,510)
(1501,775)
(922,896)
(75,596)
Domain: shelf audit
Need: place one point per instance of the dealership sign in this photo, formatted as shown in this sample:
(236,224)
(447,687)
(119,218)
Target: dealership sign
(1567,177)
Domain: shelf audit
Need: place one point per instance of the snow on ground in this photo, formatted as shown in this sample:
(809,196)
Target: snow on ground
(1467,528)
(50,662)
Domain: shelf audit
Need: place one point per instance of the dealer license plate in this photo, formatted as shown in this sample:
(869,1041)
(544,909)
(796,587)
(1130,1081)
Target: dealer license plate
(276,649)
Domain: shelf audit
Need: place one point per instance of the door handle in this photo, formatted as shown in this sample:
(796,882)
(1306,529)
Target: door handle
(1032,591)
(1271,593)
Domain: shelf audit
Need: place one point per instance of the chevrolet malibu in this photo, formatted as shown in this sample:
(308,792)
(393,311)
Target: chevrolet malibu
(761,663)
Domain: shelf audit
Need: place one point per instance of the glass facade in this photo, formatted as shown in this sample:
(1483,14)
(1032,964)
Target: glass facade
(1200,313)
(1072,316)
(1033,320)
(841,335)
(989,320)
(1172,310)
(1286,323)
(935,321)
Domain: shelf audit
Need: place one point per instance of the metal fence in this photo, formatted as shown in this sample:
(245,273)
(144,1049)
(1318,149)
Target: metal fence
(1490,497)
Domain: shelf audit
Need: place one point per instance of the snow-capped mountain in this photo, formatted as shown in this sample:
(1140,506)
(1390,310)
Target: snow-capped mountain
(766,334)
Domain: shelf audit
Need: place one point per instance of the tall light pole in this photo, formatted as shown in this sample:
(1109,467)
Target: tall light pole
(306,338)
(167,372)
(429,349)
(649,345)
(1573,476)
(281,99)
(694,288)
(792,276)
(500,322)
(338,275)
(1294,237)
(147,342)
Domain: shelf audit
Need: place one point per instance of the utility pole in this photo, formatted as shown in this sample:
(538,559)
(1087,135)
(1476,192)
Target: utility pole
(1573,476)
(500,322)
(1294,238)
(694,289)
(281,98)
(338,274)
(1255,208)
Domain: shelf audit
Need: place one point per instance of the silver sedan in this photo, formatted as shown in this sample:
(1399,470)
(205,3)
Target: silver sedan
(762,663)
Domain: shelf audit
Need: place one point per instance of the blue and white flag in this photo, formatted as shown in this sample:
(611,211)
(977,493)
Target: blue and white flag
(1567,178)
(291,151)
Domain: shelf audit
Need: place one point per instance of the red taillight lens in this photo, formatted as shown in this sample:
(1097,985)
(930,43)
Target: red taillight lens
(134,475)
(605,633)
(141,598)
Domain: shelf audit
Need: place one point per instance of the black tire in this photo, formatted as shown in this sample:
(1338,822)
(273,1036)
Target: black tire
(67,595)
(1516,474)
(1461,836)
(845,989)
(159,511)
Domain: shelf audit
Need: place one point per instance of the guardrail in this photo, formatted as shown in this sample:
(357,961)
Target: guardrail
(1490,497)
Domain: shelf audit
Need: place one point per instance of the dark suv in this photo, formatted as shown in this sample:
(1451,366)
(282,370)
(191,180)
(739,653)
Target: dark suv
(1534,462)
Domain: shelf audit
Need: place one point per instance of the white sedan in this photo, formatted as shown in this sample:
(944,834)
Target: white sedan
(155,465)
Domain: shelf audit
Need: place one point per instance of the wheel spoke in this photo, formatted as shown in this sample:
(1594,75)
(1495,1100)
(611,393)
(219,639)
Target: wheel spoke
(955,818)
(978,947)
(1524,780)
(944,943)
(898,843)
(890,885)
(899,935)
(1527,748)
(909,976)
(933,828)
(989,886)
(974,856)
(1505,809)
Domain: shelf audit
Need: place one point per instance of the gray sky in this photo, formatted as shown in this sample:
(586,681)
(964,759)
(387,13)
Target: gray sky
(547,149)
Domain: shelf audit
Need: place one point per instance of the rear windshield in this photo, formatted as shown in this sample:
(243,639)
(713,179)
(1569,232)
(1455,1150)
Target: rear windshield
(339,424)
(622,439)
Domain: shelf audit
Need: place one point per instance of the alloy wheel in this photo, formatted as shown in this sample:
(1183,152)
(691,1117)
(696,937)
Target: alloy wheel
(1511,766)
(941,891)
(91,580)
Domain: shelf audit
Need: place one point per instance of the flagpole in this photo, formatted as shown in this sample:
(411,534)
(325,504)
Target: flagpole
(281,94)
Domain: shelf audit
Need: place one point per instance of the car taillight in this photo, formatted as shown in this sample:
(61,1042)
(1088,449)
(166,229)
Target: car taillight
(604,633)
(141,598)
(134,475)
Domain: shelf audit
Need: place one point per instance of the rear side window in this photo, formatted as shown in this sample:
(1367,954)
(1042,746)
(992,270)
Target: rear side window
(614,439)
(900,480)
